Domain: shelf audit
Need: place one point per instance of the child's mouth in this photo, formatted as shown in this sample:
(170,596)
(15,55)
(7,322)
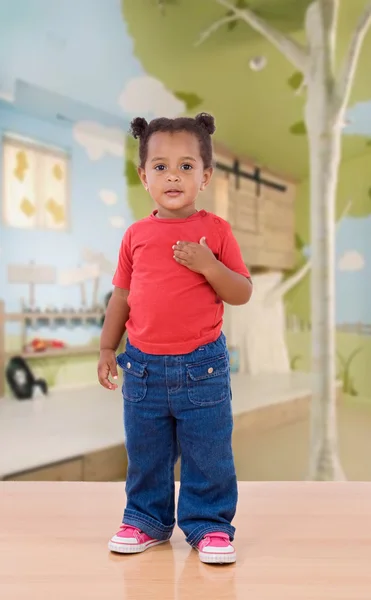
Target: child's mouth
(173,193)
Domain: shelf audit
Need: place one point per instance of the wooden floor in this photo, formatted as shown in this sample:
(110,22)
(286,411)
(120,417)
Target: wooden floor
(297,540)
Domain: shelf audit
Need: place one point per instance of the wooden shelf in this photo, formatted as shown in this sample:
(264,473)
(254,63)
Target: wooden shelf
(33,316)
(63,318)
(55,353)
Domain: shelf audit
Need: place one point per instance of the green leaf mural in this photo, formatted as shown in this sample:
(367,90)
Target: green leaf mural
(299,244)
(298,128)
(344,372)
(239,4)
(294,361)
(190,100)
(233,24)
(139,200)
(162,4)
(131,173)
(296,80)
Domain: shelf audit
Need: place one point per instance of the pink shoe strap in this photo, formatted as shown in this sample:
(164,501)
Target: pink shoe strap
(130,531)
(217,539)
(218,534)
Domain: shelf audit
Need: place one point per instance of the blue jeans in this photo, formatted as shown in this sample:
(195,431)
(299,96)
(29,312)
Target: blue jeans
(175,405)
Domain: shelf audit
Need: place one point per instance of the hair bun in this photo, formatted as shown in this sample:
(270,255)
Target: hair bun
(138,127)
(207,121)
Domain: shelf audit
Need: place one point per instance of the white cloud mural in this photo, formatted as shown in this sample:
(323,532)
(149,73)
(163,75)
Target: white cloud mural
(147,96)
(99,140)
(7,96)
(351,260)
(109,197)
(358,119)
(117,222)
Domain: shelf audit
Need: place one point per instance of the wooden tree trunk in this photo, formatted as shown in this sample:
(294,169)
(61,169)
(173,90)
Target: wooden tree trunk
(324,143)
(324,126)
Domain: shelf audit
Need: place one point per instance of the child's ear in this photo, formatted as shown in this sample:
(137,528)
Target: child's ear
(143,177)
(206,177)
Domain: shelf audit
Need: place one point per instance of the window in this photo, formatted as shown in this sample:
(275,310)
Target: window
(35,184)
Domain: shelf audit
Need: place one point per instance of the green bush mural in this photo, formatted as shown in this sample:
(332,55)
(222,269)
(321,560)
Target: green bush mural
(296,80)
(131,173)
(190,100)
(344,372)
(298,128)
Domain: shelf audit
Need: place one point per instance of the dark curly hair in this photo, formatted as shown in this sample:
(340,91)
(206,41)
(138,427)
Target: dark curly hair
(203,126)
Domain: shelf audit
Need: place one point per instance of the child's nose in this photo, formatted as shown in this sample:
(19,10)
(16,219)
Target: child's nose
(172,176)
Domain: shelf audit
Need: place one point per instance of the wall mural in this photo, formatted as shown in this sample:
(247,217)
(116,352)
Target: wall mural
(60,125)
(66,166)
(64,205)
(261,136)
(70,189)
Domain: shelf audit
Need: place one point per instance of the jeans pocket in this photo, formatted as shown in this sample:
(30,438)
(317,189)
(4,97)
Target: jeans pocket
(208,382)
(134,388)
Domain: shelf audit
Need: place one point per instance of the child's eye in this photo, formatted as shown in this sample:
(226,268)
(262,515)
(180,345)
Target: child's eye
(159,167)
(187,167)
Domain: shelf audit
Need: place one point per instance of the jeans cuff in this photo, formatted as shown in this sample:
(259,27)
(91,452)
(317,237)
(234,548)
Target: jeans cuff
(150,526)
(197,534)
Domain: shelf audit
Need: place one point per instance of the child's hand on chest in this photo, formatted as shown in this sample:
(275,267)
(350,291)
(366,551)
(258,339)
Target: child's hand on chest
(197,257)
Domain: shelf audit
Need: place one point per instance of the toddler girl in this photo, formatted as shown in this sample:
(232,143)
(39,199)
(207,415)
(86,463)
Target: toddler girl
(175,269)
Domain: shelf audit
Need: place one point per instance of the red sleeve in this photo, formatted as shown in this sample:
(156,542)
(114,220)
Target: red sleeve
(122,276)
(230,254)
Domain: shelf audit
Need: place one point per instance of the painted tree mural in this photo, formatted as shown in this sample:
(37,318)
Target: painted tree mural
(327,100)
(327,91)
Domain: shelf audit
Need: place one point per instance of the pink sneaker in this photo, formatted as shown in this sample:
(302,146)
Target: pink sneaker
(216,548)
(129,540)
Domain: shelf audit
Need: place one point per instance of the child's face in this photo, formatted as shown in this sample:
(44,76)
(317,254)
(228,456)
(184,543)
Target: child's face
(174,173)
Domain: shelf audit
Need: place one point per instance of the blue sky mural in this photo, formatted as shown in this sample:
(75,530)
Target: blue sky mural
(97,210)
(353,271)
(353,245)
(69,79)
(353,248)
(63,47)
(98,216)
(60,85)
(359,119)
(64,81)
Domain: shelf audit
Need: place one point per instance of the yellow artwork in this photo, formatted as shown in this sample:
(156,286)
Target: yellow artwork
(57,172)
(27,207)
(56,210)
(22,165)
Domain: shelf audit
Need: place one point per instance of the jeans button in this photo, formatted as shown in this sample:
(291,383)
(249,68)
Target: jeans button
(211,370)
(128,365)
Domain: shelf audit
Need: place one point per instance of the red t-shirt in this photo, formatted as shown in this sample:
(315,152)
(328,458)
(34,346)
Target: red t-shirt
(172,309)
